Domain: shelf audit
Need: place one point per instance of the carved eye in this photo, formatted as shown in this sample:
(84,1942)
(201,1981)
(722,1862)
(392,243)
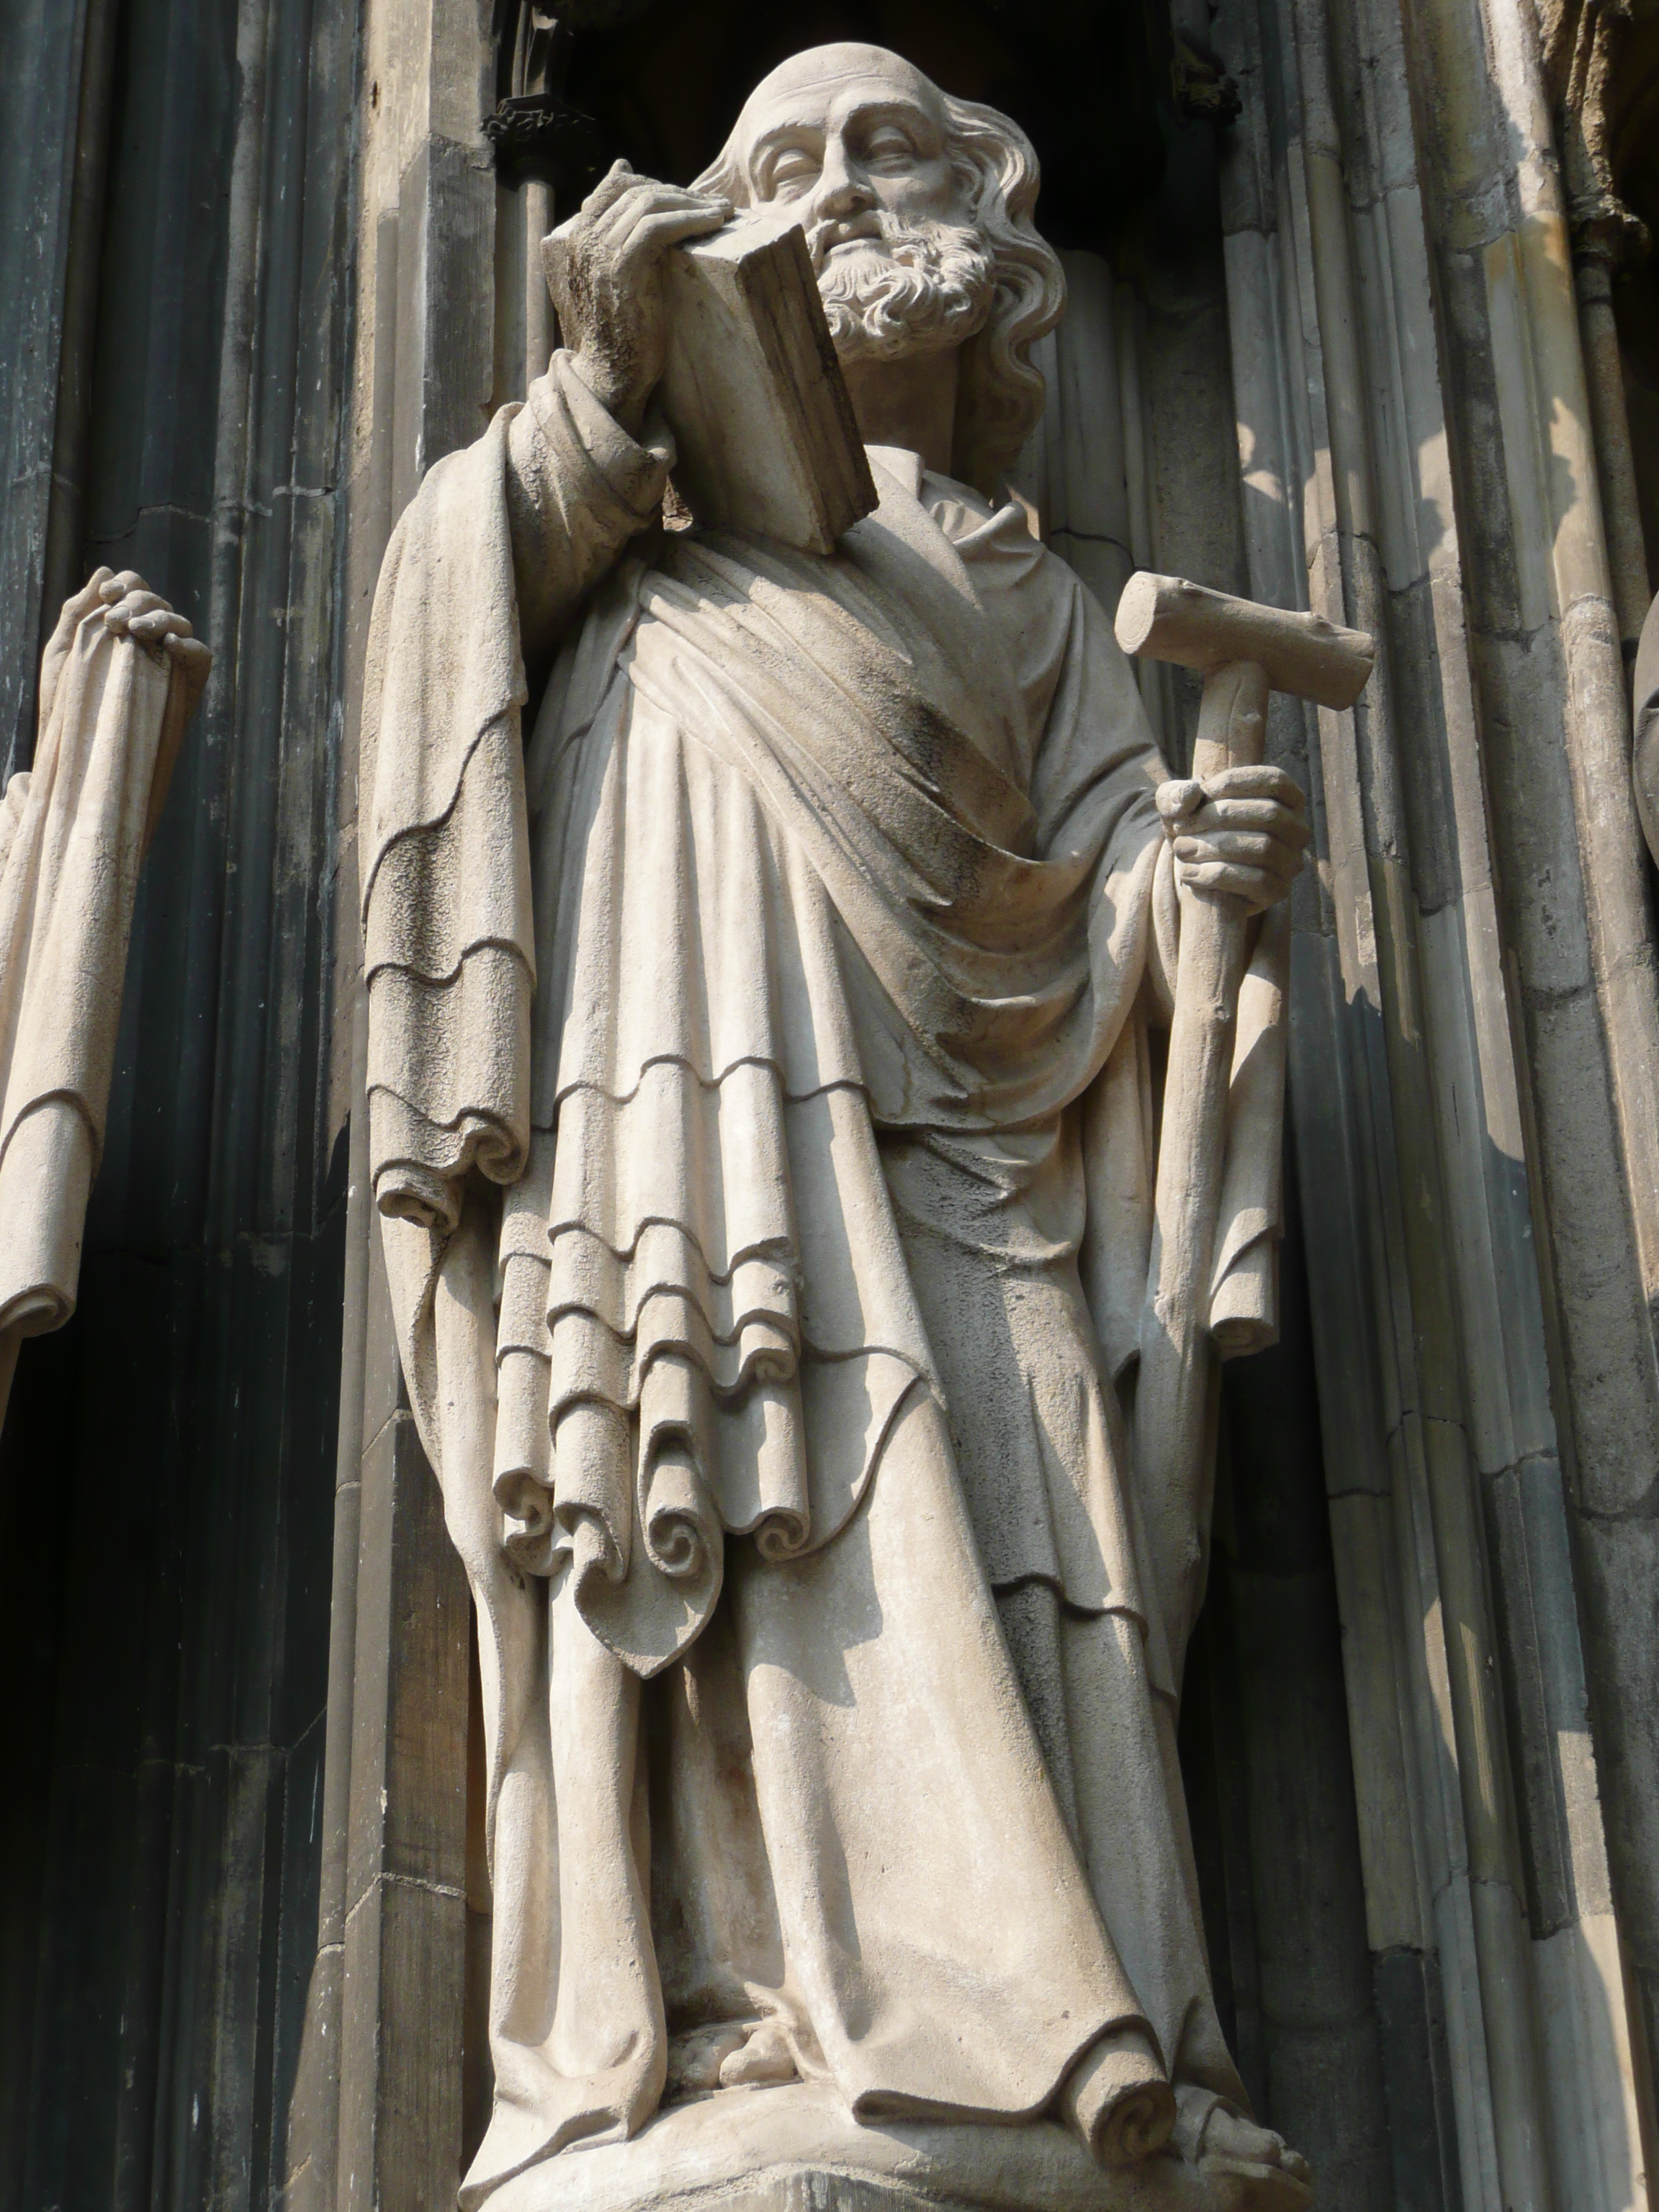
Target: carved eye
(889,148)
(792,169)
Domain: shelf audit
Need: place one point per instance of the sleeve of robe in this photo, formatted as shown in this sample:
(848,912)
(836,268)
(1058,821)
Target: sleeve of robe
(72,834)
(491,562)
(488,565)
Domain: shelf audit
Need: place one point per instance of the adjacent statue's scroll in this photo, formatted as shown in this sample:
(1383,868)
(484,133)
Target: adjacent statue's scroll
(763,949)
(118,681)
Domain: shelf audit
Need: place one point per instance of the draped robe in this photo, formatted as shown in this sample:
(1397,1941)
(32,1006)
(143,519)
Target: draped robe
(793,986)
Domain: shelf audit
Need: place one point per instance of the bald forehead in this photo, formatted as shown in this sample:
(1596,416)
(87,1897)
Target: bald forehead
(807,87)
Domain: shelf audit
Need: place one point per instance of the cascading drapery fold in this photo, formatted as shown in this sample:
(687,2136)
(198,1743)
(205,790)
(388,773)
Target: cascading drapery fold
(705,1328)
(448,955)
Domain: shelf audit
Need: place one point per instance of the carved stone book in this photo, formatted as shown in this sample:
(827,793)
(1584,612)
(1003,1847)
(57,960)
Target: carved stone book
(754,394)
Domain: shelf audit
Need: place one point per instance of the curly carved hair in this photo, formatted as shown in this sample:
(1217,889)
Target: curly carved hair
(999,395)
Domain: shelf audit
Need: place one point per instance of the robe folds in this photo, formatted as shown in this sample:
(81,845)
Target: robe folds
(792,984)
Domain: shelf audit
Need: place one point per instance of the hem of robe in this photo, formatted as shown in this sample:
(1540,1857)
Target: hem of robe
(918,1857)
(992,1233)
(703,1250)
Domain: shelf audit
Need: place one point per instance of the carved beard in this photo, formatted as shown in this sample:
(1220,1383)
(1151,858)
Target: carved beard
(911,289)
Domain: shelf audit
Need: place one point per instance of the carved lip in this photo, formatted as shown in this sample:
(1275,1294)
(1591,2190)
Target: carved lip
(825,240)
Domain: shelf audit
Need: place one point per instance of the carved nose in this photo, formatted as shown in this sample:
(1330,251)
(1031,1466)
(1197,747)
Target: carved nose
(841,193)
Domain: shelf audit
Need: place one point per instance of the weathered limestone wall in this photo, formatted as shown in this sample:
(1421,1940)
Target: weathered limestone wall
(378,2114)
(56,75)
(1403,334)
(1133,468)
(1552,695)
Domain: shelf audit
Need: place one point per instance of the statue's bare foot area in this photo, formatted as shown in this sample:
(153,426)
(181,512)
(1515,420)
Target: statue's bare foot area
(732,2054)
(765,2057)
(1243,2143)
(695,2057)
(1247,2164)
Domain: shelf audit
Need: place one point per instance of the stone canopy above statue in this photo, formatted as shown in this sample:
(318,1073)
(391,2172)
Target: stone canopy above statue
(578,84)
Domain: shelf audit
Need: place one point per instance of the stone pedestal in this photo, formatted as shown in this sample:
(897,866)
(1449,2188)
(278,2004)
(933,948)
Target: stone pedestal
(798,2149)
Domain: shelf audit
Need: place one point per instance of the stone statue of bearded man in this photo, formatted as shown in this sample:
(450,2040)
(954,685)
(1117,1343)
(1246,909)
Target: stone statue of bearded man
(759,1123)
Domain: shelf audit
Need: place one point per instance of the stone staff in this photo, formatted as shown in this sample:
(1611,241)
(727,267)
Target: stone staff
(1242,650)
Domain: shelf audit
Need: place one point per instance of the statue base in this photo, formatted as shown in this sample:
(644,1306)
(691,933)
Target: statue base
(797,2148)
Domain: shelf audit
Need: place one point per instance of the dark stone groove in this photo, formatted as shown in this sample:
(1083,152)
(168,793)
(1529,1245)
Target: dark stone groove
(166,1472)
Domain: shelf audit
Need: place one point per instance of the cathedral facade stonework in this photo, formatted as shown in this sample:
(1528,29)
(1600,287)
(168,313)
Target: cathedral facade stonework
(836,1229)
